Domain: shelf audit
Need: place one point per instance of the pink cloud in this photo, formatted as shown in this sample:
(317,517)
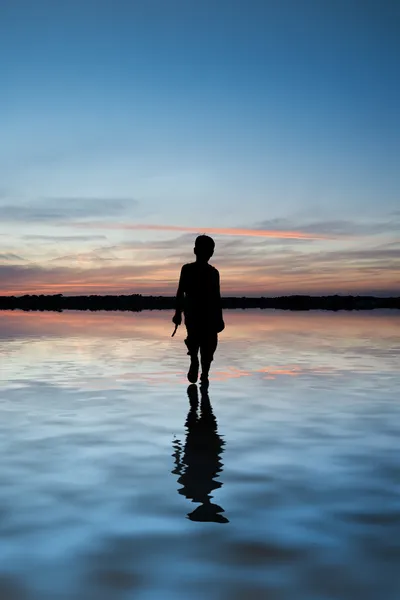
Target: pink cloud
(233,231)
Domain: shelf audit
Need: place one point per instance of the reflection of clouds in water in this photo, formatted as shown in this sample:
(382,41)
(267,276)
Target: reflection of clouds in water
(259,326)
(270,372)
(159,377)
(124,379)
(85,324)
(116,349)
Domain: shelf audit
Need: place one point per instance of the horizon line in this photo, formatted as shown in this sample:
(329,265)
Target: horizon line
(253,297)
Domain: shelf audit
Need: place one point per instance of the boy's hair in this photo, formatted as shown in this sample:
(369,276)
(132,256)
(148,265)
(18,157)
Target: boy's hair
(204,246)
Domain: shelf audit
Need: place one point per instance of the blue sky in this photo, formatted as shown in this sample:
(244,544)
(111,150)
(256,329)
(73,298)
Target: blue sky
(128,125)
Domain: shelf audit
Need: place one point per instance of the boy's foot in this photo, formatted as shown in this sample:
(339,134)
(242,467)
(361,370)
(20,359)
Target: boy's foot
(204,380)
(193,372)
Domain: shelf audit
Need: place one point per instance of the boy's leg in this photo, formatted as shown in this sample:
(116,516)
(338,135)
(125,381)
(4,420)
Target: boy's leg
(208,346)
(193,344)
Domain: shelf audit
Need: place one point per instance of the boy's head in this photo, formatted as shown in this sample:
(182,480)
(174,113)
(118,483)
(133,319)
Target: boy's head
(204,247)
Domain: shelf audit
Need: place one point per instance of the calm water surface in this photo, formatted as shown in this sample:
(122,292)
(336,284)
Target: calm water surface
(282,483)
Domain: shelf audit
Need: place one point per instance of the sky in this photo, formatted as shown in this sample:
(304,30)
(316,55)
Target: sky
(127,127)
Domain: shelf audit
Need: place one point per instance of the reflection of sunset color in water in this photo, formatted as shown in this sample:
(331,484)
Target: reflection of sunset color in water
(261,344)
(269,372)
(248,323)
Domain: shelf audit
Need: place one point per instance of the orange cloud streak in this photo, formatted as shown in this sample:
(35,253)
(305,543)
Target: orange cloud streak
(270,233)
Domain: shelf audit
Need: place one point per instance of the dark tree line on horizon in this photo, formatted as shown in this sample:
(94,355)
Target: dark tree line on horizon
(137,302)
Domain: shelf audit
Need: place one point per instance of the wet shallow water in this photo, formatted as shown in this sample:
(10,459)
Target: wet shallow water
(282,483)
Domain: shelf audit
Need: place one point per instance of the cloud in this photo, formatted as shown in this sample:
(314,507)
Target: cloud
(231,231)
(185,241)
(278,229)
(246,268)
(34,279)
(63,209)
(94,257)
(248,265)
(9,256)
(63,238)
(335,227)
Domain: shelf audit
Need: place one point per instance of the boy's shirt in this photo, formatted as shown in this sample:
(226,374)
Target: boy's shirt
(199,296)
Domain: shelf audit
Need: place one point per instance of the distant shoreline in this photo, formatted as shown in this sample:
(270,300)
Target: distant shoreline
(137,303)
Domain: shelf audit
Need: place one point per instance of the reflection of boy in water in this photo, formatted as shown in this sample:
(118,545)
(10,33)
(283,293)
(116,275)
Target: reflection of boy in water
(199,462)
(199,297)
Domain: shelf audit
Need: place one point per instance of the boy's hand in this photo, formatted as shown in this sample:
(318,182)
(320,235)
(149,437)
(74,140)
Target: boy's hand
(177,318)
(221,326)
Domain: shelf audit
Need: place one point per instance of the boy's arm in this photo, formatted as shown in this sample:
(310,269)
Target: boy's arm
(220,320)
(180,294)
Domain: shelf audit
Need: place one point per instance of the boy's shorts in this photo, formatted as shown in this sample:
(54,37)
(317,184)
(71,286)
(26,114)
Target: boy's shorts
(201,339)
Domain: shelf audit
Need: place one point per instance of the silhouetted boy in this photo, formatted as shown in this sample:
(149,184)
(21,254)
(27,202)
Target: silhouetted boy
(199,298)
